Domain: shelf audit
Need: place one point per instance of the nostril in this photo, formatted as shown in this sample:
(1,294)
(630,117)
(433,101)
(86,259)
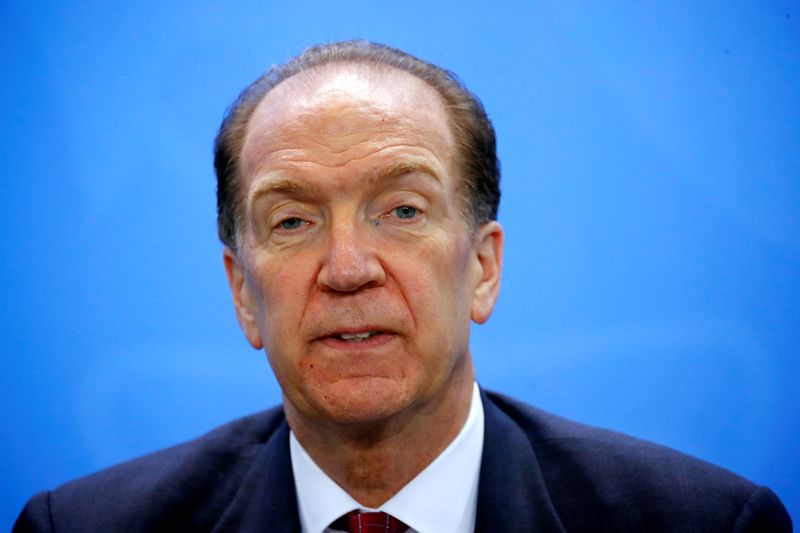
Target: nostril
(348,276)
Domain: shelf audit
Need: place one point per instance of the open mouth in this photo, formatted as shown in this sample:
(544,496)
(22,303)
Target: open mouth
(357,337)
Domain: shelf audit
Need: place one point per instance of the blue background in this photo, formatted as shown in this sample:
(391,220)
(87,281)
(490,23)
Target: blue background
(651,181)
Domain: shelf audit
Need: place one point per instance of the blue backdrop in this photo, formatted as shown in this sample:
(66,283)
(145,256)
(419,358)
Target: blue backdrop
(651,181)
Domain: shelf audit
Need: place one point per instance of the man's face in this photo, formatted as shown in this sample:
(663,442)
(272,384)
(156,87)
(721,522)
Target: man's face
(356,269)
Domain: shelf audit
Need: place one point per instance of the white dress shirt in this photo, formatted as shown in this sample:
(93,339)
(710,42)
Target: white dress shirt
(443,498)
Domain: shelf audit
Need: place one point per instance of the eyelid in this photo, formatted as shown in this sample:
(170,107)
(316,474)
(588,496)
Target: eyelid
(286,212)
(412,205)
(405,197)
(279,225)
(418,205)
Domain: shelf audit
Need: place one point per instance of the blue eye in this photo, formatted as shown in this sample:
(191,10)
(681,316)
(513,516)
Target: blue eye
(291,223)
(405,211)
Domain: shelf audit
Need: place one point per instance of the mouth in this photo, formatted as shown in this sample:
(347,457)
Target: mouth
(363,337)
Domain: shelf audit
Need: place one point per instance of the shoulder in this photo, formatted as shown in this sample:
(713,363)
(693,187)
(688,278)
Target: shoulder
(191,483)
(596,476)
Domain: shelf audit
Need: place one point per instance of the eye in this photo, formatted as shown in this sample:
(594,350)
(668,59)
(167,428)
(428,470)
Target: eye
(405,211)
(290,223)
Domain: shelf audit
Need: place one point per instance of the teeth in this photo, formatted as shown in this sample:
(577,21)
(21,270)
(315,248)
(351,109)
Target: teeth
(357,337)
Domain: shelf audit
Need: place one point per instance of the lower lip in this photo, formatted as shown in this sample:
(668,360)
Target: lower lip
(371,342)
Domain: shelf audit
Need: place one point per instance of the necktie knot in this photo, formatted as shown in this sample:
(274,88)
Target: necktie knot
(370,522)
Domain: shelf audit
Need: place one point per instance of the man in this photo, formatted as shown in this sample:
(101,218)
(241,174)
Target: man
(357,194)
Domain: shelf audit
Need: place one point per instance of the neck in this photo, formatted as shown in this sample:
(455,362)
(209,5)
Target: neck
(373,461)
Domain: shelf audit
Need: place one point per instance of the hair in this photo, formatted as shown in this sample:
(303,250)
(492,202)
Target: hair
(472,130)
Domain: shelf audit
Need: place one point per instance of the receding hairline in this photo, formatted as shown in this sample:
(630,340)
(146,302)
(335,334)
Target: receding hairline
(374,68)
(310,80)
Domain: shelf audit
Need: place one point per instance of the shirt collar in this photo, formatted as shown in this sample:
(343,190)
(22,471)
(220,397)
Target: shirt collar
(441,498)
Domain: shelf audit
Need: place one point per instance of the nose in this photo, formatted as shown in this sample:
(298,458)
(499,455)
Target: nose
(349,262)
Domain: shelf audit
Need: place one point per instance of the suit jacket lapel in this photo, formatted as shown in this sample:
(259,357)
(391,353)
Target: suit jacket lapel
(512,495)
(266,500)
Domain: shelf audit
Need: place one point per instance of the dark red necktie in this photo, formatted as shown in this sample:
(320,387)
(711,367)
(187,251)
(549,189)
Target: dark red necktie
(366,522)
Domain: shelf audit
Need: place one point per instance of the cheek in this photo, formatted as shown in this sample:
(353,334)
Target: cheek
(436,283)
(283,289)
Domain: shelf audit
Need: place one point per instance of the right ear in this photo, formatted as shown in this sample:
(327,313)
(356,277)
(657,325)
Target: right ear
(243,300)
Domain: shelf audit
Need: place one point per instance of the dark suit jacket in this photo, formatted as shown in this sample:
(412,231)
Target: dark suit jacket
(539,473)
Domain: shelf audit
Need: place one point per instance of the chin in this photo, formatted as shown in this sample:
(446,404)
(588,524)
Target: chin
(362,400)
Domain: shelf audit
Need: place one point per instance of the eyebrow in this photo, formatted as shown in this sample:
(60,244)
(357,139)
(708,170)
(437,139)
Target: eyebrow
(290,187)
(404,168)
(285,186)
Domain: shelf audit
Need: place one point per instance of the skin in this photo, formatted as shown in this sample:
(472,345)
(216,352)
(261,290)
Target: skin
(353,226)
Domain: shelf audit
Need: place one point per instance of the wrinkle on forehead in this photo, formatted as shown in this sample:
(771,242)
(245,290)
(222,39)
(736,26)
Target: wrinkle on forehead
(349,104)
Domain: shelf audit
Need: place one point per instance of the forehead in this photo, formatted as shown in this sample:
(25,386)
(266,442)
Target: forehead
(337,107)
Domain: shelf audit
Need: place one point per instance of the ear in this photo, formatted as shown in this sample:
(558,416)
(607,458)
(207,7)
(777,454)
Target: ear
(243,300)
(489,250)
